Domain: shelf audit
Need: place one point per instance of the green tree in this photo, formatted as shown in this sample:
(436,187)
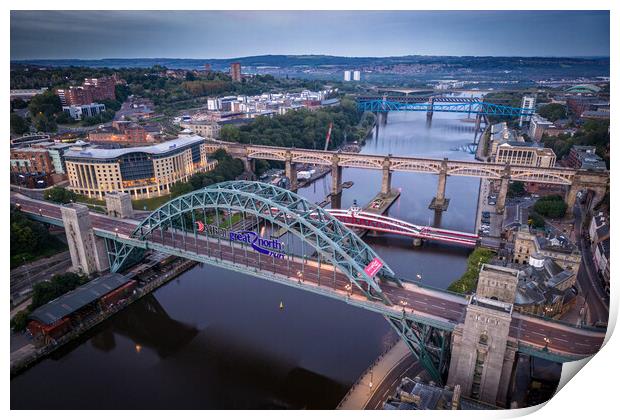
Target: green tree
(60,284)
(45,123)
(516,189)
(60,195)
(19,125)
(47,103)
(551,206)
(553,112)
(20,321)
(469,280)
(18,103)
(536,221)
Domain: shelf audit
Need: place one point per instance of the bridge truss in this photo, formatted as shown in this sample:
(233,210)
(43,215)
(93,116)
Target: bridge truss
(331,239)
(477,107)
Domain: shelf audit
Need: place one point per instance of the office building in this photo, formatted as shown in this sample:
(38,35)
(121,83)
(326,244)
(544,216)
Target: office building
(235,72)
(347,75)
(205,129)
(525,154)
(529,102)
(142,172)
(78,112)
(357,76)
(538,127)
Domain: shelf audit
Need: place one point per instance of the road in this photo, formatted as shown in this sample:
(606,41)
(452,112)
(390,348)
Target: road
(408,367)
(432,304)
(587,276)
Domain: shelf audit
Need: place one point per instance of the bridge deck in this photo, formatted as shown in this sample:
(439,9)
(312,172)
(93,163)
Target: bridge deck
(433,307)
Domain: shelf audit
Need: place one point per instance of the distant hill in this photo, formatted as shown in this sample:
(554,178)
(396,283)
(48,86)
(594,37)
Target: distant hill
(288,61)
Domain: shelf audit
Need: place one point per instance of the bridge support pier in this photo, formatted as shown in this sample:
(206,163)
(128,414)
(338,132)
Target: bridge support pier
(291,172)
(503,191)
(249,165)
(336,176)
(440,202)
(386,181)
(88,252)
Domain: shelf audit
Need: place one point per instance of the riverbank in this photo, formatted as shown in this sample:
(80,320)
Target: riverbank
(29,354)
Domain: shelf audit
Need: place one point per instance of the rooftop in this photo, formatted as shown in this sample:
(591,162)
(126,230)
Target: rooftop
(70,302)
(167,146)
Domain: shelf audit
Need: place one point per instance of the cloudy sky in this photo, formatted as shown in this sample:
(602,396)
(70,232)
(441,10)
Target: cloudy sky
(203,34)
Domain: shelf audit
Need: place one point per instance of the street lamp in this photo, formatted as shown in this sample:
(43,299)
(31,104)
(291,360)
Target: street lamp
(299,277)
(116,232)
(547,341)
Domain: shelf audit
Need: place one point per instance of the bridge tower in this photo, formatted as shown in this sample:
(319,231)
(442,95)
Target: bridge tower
(88,252)
(118,204)
(483,354)
(440,203)
(291,170)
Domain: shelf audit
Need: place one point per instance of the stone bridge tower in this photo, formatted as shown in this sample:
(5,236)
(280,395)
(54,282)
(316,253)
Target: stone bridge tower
(88,252)
(483,354)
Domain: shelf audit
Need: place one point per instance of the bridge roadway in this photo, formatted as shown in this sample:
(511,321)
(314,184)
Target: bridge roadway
(564,342)
(380,223)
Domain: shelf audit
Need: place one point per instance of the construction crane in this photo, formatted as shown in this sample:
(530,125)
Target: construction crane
(329,134)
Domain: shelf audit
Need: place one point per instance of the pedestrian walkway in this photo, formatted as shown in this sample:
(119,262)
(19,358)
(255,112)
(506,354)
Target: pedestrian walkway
(361,392)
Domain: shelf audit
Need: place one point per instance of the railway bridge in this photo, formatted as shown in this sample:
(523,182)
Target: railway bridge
(574,180)
(321,255)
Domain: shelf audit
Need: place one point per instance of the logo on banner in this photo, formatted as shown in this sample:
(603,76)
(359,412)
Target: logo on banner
(373,267)
(271,247)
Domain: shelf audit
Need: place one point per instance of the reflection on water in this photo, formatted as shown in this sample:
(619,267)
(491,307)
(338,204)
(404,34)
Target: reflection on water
(217,339)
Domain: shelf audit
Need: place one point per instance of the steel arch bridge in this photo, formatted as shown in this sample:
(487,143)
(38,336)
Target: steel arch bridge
(476,107)
(332,240)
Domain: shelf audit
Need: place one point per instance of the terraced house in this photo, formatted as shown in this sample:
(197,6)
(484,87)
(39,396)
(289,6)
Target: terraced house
(142,172)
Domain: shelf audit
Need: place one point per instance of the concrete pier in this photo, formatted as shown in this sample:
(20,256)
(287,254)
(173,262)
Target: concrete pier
(440,202)
(336,176)
(291,172)
(386,180)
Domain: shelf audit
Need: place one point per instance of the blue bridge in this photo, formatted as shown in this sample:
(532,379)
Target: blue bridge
(439,104)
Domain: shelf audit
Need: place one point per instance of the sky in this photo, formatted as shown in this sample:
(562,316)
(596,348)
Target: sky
(230,34)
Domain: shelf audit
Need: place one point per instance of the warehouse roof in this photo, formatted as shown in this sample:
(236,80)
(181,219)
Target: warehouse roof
(78,298)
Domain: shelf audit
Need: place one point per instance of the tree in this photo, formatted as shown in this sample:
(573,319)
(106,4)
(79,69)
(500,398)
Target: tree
(552,112)
(47,103)
(18,103)
(60,195)
(516,189)
(19,125)
(60,284)
(45,123)
(64,118)
(536,221)
(551,206)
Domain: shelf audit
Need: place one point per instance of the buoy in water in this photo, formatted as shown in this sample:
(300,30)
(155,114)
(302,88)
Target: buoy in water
(281,305)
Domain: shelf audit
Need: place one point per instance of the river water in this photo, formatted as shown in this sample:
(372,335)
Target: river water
(214,339)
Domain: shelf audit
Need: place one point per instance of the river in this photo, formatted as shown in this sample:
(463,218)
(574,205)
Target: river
(215,339)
